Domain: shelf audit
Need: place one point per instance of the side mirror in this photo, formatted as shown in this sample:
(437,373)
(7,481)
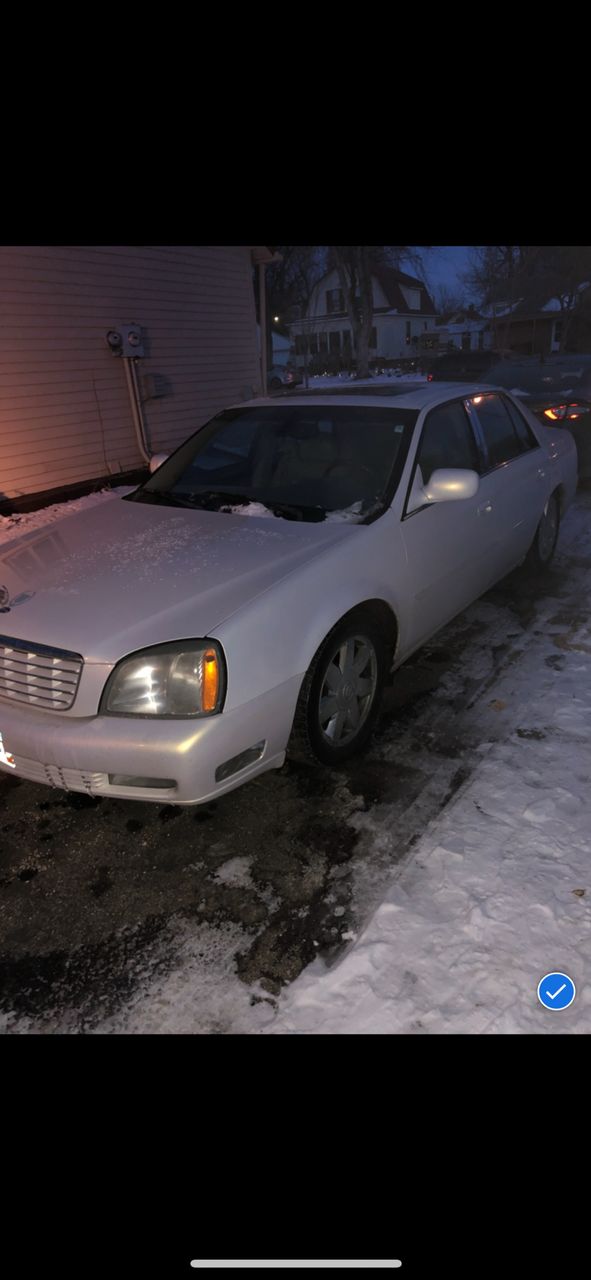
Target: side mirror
(451,484)
(156,461)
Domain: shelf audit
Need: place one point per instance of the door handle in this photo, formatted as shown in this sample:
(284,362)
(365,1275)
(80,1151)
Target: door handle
(484,508)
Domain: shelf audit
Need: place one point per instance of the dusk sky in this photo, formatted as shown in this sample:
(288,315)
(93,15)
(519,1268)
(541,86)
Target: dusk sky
(443,264)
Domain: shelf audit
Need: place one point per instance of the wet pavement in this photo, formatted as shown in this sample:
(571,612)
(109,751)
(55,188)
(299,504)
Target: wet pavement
(293,862)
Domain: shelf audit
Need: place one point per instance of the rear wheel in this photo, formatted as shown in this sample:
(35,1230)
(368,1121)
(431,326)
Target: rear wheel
(544,543)
(340,698)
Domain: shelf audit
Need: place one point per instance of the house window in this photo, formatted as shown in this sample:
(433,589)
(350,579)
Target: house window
(335,340)
(322,343)
(373,338)
(300,344)
(407,331)
(334,302)
(465,342)
(346,339)
(313,344)
(481,340)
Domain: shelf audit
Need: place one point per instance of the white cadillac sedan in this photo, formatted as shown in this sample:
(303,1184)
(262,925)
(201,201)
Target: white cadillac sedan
(253,596)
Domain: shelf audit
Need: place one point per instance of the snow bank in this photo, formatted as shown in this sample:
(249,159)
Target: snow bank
(498,891)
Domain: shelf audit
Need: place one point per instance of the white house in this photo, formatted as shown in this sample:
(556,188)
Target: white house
(403,312)
(465,330)
(77,408)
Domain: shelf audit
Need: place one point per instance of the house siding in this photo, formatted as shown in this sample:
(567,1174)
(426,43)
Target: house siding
(65,414)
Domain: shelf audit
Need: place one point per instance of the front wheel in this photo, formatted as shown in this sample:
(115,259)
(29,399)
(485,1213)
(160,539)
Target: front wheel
(544,544)
(340,698)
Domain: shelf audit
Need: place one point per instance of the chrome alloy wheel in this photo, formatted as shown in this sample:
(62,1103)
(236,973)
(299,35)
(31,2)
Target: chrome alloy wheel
(348,690)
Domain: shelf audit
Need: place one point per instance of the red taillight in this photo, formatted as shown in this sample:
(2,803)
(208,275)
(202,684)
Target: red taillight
(429,377)
(560,411)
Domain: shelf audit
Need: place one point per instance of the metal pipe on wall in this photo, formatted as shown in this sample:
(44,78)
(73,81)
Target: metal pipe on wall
(136,407)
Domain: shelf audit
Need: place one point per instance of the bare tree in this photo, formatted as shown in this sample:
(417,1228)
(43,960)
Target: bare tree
(292,282)
(291,285)
(494,275)
(354,264)
(449,300)
(503,275)
(563,274)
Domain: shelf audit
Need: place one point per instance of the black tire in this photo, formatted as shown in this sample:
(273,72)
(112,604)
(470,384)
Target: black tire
(357,645)
(275,384)
(543,546)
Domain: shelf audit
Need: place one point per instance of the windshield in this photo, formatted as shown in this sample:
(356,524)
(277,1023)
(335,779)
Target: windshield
(539,377)
(304,462)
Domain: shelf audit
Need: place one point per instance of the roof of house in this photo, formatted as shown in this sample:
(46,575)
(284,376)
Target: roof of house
(390,280)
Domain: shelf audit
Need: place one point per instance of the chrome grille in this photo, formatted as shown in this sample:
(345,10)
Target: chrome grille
(38,675)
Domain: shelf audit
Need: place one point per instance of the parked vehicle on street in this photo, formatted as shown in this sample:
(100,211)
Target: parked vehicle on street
(558,390)
(461,366)
(254,595)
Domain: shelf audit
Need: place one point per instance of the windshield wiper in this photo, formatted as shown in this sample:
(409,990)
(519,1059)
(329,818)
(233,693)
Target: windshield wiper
(298,510)
(214,499)
(199,499)
(158,495)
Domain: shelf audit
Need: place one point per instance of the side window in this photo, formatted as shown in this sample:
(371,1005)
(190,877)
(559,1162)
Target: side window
(447,441)
(499,433)
(525,434)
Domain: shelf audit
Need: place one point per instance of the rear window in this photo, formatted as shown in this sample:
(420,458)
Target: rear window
(501,426)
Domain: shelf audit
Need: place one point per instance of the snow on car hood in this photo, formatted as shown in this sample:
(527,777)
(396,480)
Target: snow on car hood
(129,574)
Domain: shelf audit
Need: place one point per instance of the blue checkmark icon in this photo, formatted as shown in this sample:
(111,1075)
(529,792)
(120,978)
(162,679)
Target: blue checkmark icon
(556,991)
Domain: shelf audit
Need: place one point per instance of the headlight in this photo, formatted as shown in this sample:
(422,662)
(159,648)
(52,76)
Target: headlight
(181,679)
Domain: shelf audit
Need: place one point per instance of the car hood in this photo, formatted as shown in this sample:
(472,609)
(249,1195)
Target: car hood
(127,574)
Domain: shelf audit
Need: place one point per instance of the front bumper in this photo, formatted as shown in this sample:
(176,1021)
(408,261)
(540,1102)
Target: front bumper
(84,753)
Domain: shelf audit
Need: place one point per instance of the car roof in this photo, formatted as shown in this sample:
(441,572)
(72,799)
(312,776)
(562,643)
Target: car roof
(418,397)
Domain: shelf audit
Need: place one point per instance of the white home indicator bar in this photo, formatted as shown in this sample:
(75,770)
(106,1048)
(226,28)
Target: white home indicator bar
(298,1262)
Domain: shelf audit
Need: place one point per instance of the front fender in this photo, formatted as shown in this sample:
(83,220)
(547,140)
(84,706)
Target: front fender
(275,636)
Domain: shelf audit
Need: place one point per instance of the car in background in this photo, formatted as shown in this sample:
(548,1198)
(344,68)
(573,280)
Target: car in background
(557,389)
(254,595)
(461,366)
(280,377)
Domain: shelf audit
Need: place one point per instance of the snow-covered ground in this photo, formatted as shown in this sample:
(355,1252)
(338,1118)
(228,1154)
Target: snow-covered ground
(495,894)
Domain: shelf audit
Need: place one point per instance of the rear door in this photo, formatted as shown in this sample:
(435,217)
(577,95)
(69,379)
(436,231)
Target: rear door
(453,549)
(515,458)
